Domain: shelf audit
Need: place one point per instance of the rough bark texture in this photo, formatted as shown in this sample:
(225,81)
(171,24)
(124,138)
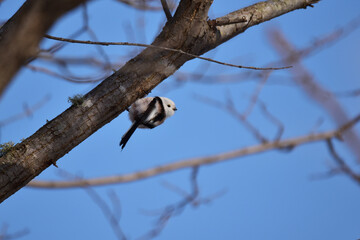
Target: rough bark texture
(188,30)
(21,34)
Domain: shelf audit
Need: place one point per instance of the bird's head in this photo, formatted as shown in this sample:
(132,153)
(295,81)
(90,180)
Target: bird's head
(169,106)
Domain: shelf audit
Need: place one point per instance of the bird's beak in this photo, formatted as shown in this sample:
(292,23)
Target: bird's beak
(175,109)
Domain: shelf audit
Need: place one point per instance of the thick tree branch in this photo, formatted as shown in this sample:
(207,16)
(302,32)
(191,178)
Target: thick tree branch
(238,21)
(188,30)
(22,33)
(199,161)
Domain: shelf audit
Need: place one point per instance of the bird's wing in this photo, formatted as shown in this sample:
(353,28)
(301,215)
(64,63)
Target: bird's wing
(158,118)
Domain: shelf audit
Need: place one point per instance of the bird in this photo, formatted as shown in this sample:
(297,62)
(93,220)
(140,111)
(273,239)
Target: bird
(148,112)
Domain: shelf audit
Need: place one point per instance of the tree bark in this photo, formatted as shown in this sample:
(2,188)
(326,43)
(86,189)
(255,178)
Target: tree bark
(189,30)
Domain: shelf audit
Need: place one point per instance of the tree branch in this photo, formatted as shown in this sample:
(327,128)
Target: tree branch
(342,164)
(22,33)
(188,31)
(238,21)
(166,9)
(199,161)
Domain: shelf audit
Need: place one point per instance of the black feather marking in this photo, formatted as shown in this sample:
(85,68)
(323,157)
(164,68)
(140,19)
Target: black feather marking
(161,115)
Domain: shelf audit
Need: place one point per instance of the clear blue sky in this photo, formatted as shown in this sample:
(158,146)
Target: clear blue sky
(268,196)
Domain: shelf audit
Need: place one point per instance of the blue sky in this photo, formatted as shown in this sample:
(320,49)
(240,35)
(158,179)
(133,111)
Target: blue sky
(267,196)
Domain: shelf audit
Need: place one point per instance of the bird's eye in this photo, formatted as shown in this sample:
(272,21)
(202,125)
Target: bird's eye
(169,105)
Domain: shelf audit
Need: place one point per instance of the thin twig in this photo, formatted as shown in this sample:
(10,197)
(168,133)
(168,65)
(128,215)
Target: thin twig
(350,93)
(15,235)
(255,95)
(28,111)
(342,164)
(105,209)
(73,79)
(174,188)
(163,48)
(94,37)
(116,206)
(272,119)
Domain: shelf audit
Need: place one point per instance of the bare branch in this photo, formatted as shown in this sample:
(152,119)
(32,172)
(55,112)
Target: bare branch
(255,95)
(73,79)
(6,236)
(116,206)
(93,36)
(105,209)
(272,119)
(199,161)
(63,62)
(342,164)
(350,93)
(166,9)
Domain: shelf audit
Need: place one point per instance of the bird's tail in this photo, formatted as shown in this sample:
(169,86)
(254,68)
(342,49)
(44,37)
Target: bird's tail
(127,135)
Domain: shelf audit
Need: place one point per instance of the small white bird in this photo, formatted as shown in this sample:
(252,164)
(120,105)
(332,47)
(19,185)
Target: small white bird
(148,112)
